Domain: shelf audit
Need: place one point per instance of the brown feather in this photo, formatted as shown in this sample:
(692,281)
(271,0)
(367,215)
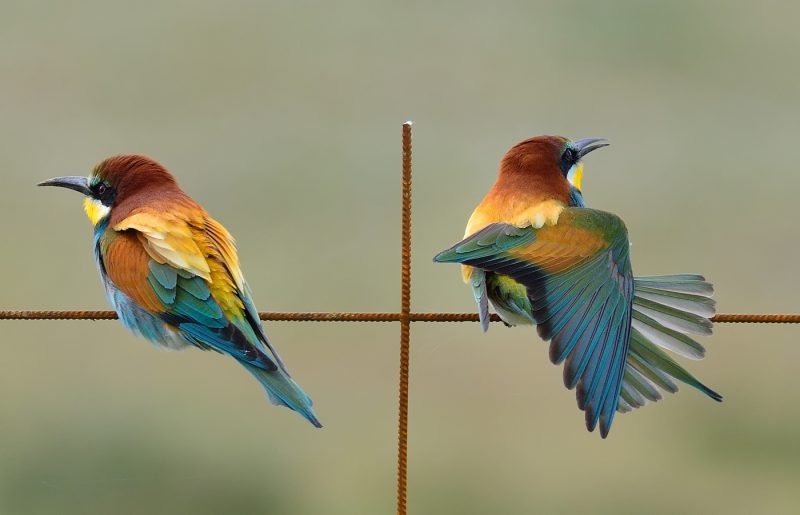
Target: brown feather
(529,174)
(530,185)
(141,181)
(171,227)
(125,263)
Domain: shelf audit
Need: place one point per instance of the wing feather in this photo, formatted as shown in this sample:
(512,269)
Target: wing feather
(168,239)
(580,285)
(188,273)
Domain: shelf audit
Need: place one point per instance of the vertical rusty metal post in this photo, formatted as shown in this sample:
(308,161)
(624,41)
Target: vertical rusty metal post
(405,327)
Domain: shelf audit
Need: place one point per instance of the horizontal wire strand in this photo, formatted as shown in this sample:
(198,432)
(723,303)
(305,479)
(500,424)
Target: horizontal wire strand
(334,316)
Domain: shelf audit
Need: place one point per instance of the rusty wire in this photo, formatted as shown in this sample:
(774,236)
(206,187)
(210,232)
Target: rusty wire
(339,316)
(405,317)
(405,326)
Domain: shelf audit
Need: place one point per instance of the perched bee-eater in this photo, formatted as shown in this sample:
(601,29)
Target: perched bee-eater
(541,257)
(171,272)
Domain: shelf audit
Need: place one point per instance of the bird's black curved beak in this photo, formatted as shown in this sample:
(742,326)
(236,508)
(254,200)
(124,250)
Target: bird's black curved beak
(587,145)
(73,182)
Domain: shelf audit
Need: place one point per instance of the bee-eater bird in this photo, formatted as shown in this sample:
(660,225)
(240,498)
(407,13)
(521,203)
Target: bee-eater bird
(541,257)
(171,272)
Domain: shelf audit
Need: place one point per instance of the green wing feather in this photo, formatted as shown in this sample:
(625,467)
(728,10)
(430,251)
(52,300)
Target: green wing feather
(580,286)
(594,301)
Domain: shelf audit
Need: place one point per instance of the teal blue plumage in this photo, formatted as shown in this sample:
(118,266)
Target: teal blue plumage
(535,253)
(171,272)
(590,311)
(584,310)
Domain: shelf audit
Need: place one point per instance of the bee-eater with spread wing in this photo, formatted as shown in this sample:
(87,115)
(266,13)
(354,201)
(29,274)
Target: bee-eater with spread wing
(171,272)
(541,257)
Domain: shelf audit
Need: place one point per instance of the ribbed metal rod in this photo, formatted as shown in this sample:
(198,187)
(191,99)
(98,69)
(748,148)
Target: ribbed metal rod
(405,326)
(339,316)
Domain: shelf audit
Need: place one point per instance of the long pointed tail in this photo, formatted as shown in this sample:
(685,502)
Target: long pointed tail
(283,391)
(666,309)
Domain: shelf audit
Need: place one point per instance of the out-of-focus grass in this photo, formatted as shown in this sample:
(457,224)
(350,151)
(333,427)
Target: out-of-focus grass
(283,119)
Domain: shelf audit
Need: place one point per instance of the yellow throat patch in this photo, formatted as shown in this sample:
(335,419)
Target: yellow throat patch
(575,175)
(95,209)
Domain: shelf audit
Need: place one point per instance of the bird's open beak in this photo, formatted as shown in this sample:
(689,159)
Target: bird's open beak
(73,182)
(587,145)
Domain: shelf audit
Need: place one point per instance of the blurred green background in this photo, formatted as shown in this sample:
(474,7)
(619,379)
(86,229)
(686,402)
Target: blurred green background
(283,119)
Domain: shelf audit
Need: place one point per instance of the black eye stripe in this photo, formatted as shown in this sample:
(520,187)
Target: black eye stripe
(568,158)
(104,193)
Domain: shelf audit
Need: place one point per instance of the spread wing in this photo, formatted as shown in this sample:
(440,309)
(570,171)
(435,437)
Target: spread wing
(666,311)
(579,281)
(184,269)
